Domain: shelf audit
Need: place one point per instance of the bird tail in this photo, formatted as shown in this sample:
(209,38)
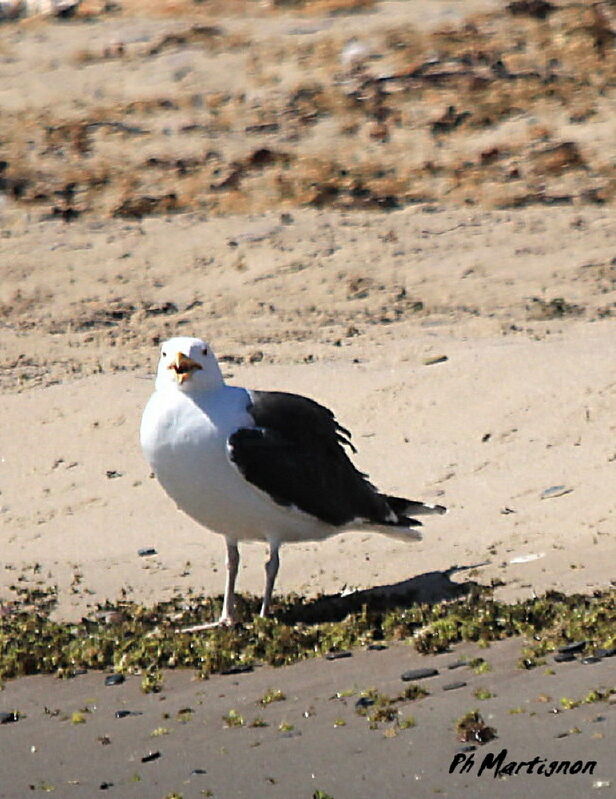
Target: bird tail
(395,517)
(410,507)
(402,525)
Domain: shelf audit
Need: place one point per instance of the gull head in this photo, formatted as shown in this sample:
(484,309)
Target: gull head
(188,365)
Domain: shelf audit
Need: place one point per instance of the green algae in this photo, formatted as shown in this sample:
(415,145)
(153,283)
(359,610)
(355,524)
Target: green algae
(272,695)
(127,637)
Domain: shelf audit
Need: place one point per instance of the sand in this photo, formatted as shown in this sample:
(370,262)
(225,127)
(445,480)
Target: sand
(449,291)
(324,744)
(519,406)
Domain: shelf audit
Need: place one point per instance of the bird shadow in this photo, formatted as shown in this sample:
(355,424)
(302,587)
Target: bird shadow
(428,588)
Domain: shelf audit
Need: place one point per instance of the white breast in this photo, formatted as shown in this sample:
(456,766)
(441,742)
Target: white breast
(184,440)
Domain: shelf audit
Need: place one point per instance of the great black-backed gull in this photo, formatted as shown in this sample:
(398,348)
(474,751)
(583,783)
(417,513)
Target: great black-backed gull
(258,465)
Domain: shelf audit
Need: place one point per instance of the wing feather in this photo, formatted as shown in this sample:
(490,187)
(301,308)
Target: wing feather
(295,453)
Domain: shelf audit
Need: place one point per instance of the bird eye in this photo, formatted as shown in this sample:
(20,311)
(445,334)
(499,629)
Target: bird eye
(205,351)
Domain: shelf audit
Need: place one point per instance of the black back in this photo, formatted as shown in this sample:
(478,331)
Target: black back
(295,453)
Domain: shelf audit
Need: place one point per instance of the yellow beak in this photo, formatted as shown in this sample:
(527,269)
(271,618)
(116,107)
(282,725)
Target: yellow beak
(183,367)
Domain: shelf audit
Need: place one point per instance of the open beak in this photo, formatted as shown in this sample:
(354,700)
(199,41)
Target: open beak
(183,366)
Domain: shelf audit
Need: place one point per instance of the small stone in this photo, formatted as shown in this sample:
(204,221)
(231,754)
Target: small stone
(337,655)
(555,491)
(453,686)
(605,653)
(577,646)
(377,647)
(9,718)
(238,669)
(112,617)
(528,558)
(364,701)
(150,756)
(145,551)
(456,664)
(255,357)
(114,679)
(113,473)
(485,734)
(590,659)
(104,786)
(418,674)
(564,657)
(198,771)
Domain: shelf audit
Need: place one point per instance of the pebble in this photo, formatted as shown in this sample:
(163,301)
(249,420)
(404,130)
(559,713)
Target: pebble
(555,491)
(456,664)
(122,714)
(114,679)
(111,617)
(452,686)
(150,756)
(238,669)
(337,655)
(198,771)
(418,674)
(577,646)
(590,659)
(8,718)
(104,786)
(364,701)
(564,657)
(377,647)
(605,653)
(527,558)
(145,551)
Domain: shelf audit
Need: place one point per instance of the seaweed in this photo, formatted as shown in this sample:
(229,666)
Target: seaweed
(129,638)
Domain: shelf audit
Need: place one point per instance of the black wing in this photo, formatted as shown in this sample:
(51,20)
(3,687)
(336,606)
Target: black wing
(295,453)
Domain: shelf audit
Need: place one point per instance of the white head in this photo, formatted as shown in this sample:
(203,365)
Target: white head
(189,365)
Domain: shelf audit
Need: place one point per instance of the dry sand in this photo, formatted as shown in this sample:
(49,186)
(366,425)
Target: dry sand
(465,336)
(519,406)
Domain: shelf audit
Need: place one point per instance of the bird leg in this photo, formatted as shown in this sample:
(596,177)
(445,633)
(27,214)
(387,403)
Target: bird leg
(232,562)
(228,615)
(271,570)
